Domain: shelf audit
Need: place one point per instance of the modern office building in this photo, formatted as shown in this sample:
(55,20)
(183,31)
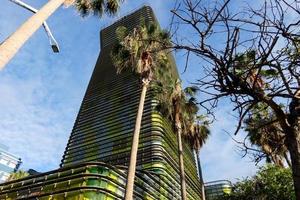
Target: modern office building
(97,154)
(8,163)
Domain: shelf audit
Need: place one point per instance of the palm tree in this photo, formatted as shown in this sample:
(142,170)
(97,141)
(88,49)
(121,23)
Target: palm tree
(174,105)
(138,51)
(197,136)
(17,175)
(270,140)
(243,66)
(196,131)
(264,131)
(262,127)
(178,99)
(13,43)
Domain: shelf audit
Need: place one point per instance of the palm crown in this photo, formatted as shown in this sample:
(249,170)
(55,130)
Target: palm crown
(97,7)
(198,133)
(264,131)
(140,51)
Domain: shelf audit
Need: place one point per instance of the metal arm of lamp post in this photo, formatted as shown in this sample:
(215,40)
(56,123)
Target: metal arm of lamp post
(53,43)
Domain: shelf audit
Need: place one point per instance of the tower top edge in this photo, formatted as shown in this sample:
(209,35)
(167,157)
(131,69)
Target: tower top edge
(127,14)
(131,20)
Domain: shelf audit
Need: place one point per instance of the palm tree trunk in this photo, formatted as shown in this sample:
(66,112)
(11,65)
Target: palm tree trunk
(135,144)
(178,128)
(13,43)
(181,164)
(200,176)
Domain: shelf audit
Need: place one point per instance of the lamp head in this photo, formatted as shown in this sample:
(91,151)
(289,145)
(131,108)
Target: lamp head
(55,48)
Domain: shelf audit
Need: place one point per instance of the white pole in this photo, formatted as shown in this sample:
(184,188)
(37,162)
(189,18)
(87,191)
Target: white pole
(12,44)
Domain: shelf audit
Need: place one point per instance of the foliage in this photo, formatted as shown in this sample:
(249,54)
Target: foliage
(265,133)
(140,51)
(97,7)
(181,108)
(198,133)
(170,95)
(270,183)
(249,56)
(17,175)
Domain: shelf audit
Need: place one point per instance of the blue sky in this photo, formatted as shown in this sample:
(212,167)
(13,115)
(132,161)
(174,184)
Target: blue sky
(40,92)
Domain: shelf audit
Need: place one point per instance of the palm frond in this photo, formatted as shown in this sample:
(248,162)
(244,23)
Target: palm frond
(198,135)
(146,56)
(84,7)
(112,6)
(121,33)
(17,175)
(97,7)
(191,91)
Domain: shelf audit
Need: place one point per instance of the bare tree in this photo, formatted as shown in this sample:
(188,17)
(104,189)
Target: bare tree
(249,52)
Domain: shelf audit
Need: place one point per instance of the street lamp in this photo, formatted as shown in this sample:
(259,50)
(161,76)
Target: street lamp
(53,43)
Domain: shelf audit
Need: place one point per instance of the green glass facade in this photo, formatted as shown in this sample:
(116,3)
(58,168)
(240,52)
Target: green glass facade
(97,154)
(215,189)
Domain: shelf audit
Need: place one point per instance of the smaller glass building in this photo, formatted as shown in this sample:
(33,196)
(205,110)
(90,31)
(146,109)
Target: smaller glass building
(214,189)
(8,163)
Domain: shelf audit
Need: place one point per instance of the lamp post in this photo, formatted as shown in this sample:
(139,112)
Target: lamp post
(53,42)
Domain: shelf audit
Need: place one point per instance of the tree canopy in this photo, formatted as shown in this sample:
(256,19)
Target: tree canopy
(270,183)
(17,175)
(249,54)
(96,7)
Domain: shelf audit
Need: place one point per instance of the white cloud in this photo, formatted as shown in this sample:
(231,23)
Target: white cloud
(33,131)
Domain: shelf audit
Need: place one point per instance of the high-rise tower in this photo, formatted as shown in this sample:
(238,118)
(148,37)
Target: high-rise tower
(104,126)
(103,133)
(105,121)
